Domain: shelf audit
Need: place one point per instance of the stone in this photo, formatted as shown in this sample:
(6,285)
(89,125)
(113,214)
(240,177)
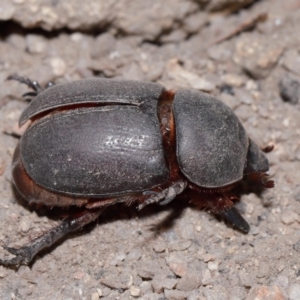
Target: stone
(175,295)
(161,282)
(267,293)
(294,291)
(257,55)
(179,245)
(159,245)
(135,291)
(291,60)
(177,263)
(187,78)
(289,87)
(147,270)
(35,44)
(216,293)
(189,282)
(289,217)
(103,45)
(117,281)
(234,80)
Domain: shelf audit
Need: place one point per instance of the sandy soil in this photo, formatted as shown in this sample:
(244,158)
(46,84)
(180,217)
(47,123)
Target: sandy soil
(248,56)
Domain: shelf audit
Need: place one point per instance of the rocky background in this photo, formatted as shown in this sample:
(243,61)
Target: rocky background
(245,52)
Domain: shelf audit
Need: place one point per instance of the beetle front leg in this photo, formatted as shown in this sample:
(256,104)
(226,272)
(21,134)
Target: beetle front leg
(166,195)
(231,215)
(33,84)
(25,254)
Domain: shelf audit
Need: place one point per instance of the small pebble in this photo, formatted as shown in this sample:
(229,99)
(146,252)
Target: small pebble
(294,291)
(177,263)
(296,246)
(159,245)
(208,257)
(175,294)
(179,245)
(289,88)
(256,54)
(117,281)
(134,254)
(289,217)
(78,275)
(189,282)
(146,269)
(100,293)
(282,281)
(267,293)
(95,296)
(216,293)
(36,44)
(146,287)
(291,60)
(161,282)
(25,224)
(135,291)
(58,66)
(233,80)
(213,265)
(206,277)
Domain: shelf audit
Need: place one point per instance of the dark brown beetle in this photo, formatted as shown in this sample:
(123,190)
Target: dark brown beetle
(97,142)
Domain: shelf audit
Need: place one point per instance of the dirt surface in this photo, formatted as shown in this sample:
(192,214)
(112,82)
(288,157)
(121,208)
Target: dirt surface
(244,52)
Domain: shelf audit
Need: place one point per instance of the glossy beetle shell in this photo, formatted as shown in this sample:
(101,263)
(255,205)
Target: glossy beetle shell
(100,138)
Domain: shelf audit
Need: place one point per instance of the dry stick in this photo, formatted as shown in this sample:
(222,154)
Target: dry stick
(261,17)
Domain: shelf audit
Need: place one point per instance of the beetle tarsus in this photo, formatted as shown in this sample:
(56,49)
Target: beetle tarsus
(166,195)
(25,254)
(235,218)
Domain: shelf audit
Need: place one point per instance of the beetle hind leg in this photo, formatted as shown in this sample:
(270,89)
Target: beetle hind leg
(25,254)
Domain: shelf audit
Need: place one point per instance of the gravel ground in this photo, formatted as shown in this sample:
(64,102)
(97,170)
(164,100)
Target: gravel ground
(244,52)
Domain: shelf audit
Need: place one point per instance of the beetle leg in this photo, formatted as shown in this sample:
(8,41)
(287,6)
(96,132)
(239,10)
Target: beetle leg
(33,84)
(25,254)
(29,94)
(167,195)
(235,218)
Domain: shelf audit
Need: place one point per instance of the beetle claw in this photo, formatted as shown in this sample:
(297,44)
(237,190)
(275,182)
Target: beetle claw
(23,256)
(235,218)
(11,250)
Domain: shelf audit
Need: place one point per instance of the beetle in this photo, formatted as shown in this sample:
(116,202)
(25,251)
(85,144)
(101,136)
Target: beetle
(96,142)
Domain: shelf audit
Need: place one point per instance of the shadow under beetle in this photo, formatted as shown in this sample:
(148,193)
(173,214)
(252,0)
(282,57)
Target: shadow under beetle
(96,142)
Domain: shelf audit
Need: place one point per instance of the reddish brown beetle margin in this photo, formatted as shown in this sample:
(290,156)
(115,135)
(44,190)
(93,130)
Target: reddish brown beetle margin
(218,200)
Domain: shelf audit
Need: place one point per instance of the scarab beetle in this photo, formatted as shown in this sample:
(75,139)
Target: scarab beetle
(96,142)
